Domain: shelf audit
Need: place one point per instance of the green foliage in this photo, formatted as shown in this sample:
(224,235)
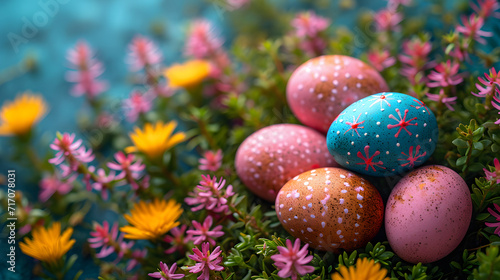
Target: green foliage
(489,264)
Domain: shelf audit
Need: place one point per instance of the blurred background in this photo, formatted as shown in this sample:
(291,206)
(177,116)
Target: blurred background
(36,35)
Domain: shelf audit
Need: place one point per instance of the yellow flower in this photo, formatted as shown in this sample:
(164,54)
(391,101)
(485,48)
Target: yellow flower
(48,245)
(19,116)
(188,74)
(154,141)
(151,220)
(365,270)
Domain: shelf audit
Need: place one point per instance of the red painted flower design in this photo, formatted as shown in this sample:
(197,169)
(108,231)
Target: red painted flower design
(355,125)
(411,158)
(368,160)
(402,122)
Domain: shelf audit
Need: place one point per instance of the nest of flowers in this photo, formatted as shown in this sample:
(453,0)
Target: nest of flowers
(174,206)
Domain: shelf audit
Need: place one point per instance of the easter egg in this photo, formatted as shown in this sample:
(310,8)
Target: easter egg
(331,209)
(383,134)
(271,156)
(322,87)
(428,214)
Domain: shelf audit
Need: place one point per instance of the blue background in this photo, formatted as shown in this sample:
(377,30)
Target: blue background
(109,26)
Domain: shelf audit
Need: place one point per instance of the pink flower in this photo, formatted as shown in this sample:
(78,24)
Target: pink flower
(308,27)
(123,248)
(203,233)
(497,105)
(387,20)
(143,53)
(161,89)
(443,98)
(103,181)
(178,240)
(472,29)
(87,71)
(165,273)
(460,51)
(291,260)
(308,24)
(381,60)
(489,84)
(136,258)
(129,167)
(446,74)
(495,174)
(103,237)
(415,58)
(486,8)
(237,4)
(211,161)
(137,104)
(71,151)
(210,195)
(206,261)
(52,184)
(496,215)
(202,41)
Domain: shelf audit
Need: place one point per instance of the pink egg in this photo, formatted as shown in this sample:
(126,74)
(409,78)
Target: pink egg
(271,156)
(428,214)
(324,86)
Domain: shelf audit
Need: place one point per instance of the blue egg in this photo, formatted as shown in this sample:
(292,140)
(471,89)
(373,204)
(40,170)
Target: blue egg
(383,134)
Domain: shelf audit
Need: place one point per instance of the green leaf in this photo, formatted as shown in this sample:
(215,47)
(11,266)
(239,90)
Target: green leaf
(449,48)
(482,216)
(460,143)
(461,161)
(495,148)
(478,146)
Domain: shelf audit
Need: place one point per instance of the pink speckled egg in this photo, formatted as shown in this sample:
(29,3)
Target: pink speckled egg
(324,86)
(428,214)
(331,209)
(271,156)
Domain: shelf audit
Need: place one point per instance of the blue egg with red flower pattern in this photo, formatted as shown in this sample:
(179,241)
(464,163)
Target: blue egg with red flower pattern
(383,134)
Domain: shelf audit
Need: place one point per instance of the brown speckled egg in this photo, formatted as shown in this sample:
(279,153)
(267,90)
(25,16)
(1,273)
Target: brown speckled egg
(428,214)
(331,209)
(271,156)
(324,86)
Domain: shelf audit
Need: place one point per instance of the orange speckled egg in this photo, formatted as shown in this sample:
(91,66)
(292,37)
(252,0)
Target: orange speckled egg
(331,209)
(271,156)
